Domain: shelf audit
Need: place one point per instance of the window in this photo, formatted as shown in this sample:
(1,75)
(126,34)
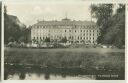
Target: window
(65,30)
(72,37)
(75,30)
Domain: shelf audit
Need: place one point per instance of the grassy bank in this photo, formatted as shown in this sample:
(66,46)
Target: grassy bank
(87,61)
(65,58)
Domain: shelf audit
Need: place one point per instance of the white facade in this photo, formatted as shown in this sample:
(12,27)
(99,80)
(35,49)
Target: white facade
(74,31)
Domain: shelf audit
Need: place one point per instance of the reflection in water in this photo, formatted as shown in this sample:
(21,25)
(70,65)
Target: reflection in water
(22,76)
(64,75)
(45,74)
(56,74)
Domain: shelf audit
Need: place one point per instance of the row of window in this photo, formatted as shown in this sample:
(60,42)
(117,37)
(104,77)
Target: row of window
(81,30)
(35,32)
(65,31)
(84,35)
(65,26)
(71,37)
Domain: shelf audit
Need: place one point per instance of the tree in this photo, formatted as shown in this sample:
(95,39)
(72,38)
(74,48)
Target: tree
(64,40)
(116,33)
(13,28)
(34,40)
(21,39)
(112,25)
(47,39)
(103,14)
(11,39)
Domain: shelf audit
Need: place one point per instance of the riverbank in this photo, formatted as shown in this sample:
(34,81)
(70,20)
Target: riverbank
(108,60)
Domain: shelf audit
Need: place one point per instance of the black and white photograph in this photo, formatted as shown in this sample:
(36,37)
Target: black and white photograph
(59,40)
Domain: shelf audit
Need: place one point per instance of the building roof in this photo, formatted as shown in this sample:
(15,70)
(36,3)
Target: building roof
(64,21)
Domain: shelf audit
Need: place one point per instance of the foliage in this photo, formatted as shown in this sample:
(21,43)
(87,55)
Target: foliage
(13,29)
(64,40)
(47,39)
(112,24)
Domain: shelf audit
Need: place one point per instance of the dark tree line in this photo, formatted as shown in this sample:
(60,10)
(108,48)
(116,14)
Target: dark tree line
(13,31)
(111,23)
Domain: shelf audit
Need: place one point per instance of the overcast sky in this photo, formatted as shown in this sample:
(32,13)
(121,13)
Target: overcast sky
(29,12)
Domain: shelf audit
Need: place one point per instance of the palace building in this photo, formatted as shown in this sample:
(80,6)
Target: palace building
(73,31)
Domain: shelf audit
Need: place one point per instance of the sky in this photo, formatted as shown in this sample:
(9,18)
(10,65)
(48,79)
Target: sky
(29,11)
